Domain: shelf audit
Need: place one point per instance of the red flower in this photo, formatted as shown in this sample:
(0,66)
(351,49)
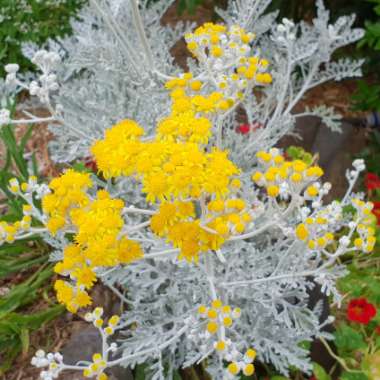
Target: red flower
(372,181)
(90,163)
(243,129)
(246,128)
(376,211)
(377,330)
(361,311)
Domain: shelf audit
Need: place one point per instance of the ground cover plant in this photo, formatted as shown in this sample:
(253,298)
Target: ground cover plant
(28,256)
(216,235)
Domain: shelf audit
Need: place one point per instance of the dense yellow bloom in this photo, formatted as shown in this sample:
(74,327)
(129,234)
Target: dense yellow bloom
(68,192)
(98,224)
(116,154)
(187,126)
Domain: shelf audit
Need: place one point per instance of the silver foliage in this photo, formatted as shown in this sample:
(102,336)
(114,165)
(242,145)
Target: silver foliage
(109,72)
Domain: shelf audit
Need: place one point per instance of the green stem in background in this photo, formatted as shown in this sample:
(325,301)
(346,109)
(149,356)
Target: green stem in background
(340,360)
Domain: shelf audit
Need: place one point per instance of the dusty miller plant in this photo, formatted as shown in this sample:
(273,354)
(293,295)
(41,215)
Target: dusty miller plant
(267,243)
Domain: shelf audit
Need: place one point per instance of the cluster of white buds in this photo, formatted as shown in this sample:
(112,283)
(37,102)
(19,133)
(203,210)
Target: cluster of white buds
(11,69)
(54,362)
(46,61)
(359,165)
(286,31)
(5,116)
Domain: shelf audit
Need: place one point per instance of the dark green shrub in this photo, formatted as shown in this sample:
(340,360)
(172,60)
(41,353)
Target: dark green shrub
(32,21)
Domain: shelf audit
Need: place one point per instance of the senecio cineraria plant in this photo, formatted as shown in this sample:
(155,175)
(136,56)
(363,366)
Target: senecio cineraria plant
(217,239)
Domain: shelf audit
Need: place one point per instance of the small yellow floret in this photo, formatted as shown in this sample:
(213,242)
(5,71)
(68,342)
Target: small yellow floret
(233,368)
(273,191)
(212,327)
(302,232)
(256,177)
(226,309)
(220,345)
(296,177)
(114,320)
(249,369)
(97,357)
(87,372)
(312,191)
(217,304)
(216,51)
(212,314)
(358,242)
(227,321)
(251,354)
(196,85)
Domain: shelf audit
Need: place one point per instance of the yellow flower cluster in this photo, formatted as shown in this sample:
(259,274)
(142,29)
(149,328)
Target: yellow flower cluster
(366,240)
(177,223)
(99,363)
(223,315)
(15,186)
(186,99)
(96,318)
(313,233)
(218,315)
(68,192)
(167,169)
(96,368)
(8,231)
(97,224)
(278,171)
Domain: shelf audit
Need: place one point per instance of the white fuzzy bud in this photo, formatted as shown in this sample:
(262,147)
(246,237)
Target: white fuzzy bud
(5,116)
(344,241)
(12,68)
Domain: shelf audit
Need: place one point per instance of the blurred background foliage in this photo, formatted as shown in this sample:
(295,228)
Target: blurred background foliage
(32,21)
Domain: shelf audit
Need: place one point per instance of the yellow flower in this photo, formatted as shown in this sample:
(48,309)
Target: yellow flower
(302,232)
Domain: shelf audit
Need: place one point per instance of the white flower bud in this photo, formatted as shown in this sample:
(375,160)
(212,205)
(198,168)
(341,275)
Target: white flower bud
(34,88)
(344,241)
(5,116)
(12,68)
(39,353)
(351,225)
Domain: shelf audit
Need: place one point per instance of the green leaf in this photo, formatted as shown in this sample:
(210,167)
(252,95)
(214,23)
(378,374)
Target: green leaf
(348,339)
(353,376)
(320,373)
(279,378)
